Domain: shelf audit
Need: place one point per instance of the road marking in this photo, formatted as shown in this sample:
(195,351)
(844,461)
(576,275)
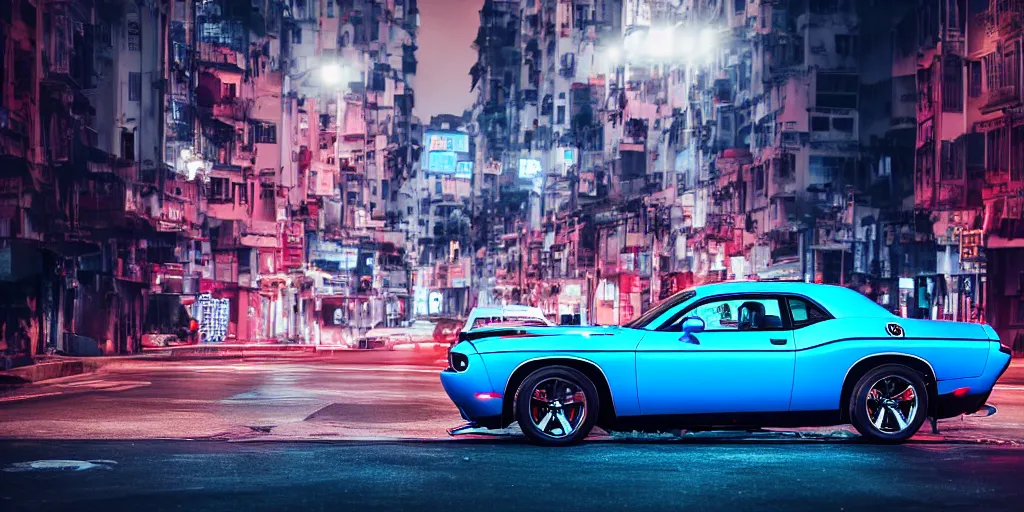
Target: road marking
(1009,388)
(81,383)
(29,397)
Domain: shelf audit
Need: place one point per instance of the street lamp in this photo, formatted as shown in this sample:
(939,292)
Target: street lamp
(332,74)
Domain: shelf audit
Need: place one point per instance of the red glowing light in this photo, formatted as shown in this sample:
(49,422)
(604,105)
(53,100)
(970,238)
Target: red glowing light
(961,391)
(487,396)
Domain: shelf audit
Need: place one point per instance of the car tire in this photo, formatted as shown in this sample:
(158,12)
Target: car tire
(545,424)
(880,404)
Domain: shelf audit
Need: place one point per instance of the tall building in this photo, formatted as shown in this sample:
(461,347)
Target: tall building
(235,163)
(658,145)
(438,205)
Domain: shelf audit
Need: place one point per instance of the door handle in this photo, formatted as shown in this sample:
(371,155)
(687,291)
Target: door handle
(776,341)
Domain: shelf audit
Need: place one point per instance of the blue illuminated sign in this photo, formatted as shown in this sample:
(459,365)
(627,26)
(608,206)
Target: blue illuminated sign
(444,162)
(464,170)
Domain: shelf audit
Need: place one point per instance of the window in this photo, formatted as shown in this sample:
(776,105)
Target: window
(952,84)
(437,187)
(134,86)
(561,115)
(220,191)
(330,8)
(739,314)
(805,312)
(408,210)
(993,71)
(836,90)
(128,145)
(998,155)
(385,189)
(297,35)
(819,124)
(842,124)
(262,133)
(845,45)
(974,68)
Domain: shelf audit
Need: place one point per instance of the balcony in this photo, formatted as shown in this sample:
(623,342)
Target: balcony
(1002,97)
(233,109)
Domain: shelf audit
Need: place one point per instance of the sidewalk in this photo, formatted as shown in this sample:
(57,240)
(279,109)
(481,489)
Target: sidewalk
(56,367)
(1014,376)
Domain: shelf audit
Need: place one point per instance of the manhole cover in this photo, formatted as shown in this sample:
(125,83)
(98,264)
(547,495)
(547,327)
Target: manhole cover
(59,465)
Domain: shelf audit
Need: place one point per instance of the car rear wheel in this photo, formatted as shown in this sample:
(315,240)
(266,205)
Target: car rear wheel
(889,404)
(556,406)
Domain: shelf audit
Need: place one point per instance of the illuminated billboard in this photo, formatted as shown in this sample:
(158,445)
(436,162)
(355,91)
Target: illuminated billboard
(529,168)
(447,153)
(442,162)
(457,142)
(464,170)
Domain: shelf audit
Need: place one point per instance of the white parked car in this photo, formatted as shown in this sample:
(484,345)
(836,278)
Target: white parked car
(418,331)
(490,315)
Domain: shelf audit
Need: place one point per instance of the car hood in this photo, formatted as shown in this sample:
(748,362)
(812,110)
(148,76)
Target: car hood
(565,338)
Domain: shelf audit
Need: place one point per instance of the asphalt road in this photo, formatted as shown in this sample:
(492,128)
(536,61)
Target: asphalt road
(316,432)
(217,475)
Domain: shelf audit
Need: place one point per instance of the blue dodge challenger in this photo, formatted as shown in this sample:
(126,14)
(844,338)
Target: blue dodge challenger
(729,355)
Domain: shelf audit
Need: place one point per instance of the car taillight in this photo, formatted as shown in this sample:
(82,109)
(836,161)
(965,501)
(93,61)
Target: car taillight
(458,362)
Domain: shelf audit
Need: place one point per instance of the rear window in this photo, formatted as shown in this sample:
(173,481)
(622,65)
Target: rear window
(485,321)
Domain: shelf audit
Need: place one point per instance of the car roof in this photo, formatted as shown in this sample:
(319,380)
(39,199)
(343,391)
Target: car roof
(837,300)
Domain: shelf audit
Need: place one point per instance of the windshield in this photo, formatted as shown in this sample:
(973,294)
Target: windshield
(657,311)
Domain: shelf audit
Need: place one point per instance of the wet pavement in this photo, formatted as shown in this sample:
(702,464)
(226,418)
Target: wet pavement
(217,475)
(381,395)
(313,432)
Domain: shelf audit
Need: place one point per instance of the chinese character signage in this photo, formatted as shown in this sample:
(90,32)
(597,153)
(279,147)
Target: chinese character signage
(213,316)
(458,143)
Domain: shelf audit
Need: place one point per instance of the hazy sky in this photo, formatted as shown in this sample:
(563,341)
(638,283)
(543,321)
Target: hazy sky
(447,29)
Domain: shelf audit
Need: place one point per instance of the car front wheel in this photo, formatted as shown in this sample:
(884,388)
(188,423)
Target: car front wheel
(889,404)
(556,406)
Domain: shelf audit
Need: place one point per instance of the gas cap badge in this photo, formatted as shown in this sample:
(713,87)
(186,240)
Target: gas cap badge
(894,329)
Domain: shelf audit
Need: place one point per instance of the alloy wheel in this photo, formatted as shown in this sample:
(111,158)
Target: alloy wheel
(557,407)
(892,404)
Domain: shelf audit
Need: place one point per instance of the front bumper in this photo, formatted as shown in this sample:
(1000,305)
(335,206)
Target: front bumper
(463,389)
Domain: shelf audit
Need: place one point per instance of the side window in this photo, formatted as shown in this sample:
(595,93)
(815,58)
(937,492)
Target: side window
(735,314)
(805,312)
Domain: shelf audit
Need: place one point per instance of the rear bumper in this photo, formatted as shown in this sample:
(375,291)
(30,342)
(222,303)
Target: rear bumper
(463,388)
(949,406)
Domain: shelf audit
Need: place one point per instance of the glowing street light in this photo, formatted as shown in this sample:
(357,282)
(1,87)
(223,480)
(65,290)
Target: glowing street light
(660,42)
(614,55)
(332,74)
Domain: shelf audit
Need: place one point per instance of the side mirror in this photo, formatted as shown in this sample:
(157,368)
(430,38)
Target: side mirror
(693,325)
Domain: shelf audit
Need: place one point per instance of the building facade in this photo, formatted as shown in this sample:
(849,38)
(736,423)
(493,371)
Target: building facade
(658,145)
(232,163)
